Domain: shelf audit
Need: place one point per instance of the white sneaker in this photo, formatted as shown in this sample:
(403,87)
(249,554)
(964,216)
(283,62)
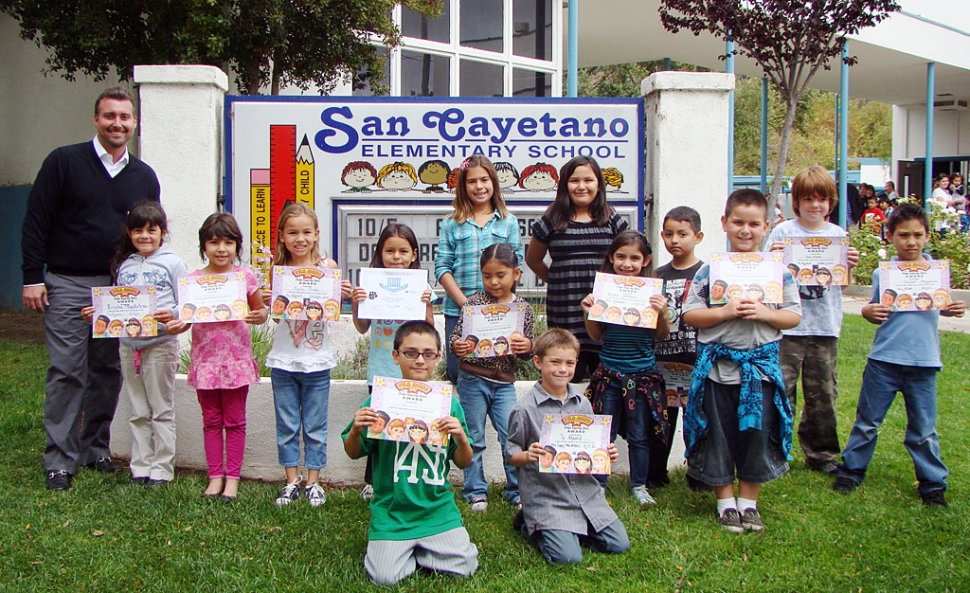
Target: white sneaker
(315,495)
(367,492)
(643,496)
(479,505)
(290,492)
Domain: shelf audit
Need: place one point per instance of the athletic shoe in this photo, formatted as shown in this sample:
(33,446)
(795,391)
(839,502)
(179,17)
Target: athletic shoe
(58,480)
(154,484)
(934,498)
(315,495)
(367,492)
(479,505)
(829,467)
(844,485)
(290,493)
(140,481)
(751,520)
(643,495)
(731,521)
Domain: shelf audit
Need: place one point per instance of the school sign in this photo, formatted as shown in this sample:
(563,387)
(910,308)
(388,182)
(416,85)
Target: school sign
(364,162)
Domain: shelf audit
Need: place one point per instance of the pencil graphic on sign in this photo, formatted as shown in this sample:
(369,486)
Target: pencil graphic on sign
(304,174)
(260,194)
(282,172)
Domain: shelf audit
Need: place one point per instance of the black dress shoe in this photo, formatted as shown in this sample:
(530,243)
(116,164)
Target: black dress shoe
(142,481)
(58,480)
(104,464)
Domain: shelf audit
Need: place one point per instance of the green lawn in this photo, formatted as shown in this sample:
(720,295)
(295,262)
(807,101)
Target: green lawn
(105,535)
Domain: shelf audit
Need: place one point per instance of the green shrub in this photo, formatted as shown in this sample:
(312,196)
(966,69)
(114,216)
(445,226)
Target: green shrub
(953,246)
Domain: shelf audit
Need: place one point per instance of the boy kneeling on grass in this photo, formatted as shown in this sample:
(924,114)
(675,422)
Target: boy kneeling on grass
(559,511)
(414,519)
(738,421)
(905,357)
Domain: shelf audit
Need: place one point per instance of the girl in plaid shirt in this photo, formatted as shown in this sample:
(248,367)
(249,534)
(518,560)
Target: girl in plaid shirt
(480,219)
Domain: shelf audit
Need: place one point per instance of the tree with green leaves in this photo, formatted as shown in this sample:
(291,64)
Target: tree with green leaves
(790,39)
(273,43)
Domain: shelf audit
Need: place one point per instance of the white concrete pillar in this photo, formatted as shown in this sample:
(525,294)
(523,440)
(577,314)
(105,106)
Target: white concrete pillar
(687,148)
(181,138)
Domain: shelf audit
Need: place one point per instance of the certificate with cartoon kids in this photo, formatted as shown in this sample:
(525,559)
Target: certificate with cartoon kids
(756,275)
(305,293)
(492,327)
(625,300)
(393,293)
(123,311)
(409,410)
(575,444)
(818,261)
(208,298)
(915,285)
(677,377)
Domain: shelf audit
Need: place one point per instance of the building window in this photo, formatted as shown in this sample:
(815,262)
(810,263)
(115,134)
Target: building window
(479,79)
(368,91)
(413,24)
(482,24)
(425,75)
(529,83)
(532,29)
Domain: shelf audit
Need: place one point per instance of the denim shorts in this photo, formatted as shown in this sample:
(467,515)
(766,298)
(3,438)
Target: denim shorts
(724,452)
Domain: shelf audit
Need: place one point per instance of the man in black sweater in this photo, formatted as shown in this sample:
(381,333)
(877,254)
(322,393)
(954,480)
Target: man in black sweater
(75,217)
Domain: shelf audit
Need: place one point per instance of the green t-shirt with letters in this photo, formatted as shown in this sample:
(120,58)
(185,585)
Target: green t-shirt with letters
(412,494)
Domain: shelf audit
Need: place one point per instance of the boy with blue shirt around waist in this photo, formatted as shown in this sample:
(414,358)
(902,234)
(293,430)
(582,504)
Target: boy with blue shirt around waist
(905,358)
(738,418)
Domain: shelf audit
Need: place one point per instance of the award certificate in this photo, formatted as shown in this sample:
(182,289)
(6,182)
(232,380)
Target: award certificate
(393,293)
(754,275)
(123,311)
(575,444)
(915,285)
(208,298)
(492,327)
(409,410)
(625,300)
(818,261)
(307,293)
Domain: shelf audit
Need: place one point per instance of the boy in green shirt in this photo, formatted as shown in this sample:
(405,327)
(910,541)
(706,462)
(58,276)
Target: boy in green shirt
(414,519)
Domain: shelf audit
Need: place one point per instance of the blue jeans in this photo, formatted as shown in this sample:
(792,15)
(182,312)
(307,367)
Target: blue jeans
(637,435)
(479,398)
(880,382)
(563,547)
(301,399)
(451,360)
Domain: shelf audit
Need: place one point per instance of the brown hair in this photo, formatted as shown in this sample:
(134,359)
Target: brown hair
(117,93)
(746,197)
(462,203)
(555,337)
(220,225)
(280,254)
(814,181)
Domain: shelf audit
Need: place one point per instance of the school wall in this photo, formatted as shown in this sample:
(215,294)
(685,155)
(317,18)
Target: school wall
(37,114)
(261,461)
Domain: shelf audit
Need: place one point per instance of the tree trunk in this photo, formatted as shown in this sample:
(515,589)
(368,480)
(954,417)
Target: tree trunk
(792,106)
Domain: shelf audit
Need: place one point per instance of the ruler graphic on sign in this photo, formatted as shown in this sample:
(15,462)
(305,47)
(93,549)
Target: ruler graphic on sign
(282,172)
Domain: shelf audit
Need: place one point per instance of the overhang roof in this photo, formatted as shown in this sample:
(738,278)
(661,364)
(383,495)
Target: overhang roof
(892,56)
